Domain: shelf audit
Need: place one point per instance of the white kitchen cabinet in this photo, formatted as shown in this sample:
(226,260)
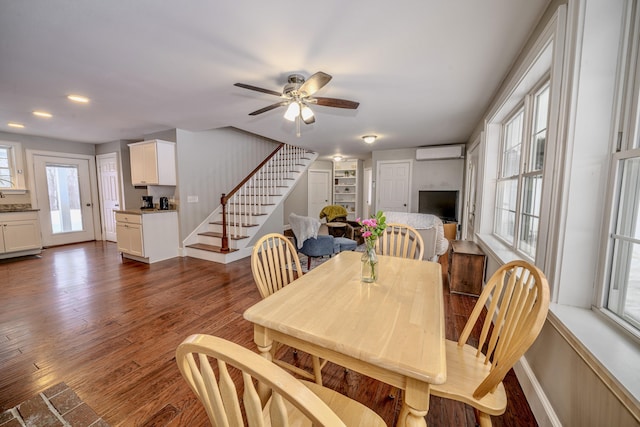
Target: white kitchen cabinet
(19,234)
(345,187)
(153,162)
(147,236)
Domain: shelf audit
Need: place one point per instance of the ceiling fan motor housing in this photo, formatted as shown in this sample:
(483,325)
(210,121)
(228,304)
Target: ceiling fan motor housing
(295,81)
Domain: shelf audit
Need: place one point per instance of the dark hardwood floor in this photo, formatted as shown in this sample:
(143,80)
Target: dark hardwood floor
(109,328)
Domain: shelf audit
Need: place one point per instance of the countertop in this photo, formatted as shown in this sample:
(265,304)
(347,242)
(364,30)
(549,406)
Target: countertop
(144,211)
(22,207)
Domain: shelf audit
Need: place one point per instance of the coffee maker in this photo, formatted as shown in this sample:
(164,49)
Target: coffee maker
(147,202)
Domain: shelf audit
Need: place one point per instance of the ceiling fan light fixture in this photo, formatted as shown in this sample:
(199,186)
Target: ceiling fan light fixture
(307,114)
(292,112)
(369,139)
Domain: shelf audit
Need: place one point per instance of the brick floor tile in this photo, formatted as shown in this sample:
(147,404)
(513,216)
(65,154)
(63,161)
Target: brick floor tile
(65,401)
(11,423)
(6,416)
(35,412)
(56,389)
(82,416)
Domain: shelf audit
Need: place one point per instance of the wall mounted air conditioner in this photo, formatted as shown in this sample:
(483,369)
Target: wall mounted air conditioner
(440,152)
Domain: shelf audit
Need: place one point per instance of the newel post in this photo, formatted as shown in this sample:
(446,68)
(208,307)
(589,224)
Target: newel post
(225,239)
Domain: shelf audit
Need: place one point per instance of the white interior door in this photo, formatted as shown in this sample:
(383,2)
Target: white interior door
(109,189)
(319,191)
(63,194)
(367,194)
(393,184)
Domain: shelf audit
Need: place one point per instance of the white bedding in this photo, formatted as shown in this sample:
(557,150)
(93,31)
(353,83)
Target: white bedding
(421,221)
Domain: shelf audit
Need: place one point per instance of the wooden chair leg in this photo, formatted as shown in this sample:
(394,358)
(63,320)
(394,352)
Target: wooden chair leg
(308,263)
(317,369)
(482,419)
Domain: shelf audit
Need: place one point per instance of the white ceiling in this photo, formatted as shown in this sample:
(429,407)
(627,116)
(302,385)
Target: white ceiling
(423,71)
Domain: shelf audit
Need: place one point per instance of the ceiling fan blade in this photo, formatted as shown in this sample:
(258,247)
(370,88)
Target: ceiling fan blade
(335,102)
(314,83)
(269,108)
(258,89)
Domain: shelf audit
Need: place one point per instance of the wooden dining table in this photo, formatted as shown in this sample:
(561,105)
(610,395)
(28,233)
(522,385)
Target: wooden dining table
(391,330)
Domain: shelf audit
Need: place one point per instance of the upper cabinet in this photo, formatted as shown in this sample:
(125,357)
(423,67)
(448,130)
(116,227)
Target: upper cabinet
(153,162)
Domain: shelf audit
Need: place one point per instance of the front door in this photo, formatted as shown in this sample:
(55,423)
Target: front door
(319,192)
(63,194)
(393,184)
(109,188)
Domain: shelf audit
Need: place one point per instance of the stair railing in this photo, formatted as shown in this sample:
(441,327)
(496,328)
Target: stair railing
(254,192)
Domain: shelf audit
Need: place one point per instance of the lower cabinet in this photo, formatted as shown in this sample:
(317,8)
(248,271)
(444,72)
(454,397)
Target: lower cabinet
(147,237)
(19,234)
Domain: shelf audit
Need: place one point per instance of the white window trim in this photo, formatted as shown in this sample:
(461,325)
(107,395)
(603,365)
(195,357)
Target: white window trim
(16,160)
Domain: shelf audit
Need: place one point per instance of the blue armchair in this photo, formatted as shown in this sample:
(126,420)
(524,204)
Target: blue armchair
(318,247)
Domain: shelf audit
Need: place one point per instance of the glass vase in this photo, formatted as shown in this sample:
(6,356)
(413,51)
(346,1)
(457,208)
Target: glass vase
(369,267)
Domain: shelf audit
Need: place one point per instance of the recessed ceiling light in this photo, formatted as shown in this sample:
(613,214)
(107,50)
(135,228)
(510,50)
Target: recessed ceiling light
(42,114)
(337,158)
(78,98)
(15,125)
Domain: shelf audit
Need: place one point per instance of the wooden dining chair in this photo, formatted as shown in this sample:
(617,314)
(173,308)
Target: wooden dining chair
(275,264)
(210,364)
(400,240)
(518,298)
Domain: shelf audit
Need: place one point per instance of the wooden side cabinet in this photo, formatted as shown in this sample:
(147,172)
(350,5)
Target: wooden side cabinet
(466,267)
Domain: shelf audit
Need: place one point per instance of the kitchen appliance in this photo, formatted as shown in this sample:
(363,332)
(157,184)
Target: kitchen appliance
(164,203)
(147,202)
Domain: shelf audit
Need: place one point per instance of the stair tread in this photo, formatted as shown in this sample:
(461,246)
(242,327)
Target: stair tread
(218,234)
(210,248)
(230,224)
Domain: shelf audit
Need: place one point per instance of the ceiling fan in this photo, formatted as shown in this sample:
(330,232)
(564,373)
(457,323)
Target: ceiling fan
(297,95)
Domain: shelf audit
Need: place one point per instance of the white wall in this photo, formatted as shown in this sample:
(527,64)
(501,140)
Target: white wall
(204,160)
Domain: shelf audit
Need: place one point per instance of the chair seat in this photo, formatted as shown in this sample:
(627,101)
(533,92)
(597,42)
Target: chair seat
(343,244)
(464,372)
(351,412)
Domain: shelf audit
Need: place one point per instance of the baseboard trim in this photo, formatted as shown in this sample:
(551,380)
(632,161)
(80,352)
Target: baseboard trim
(540,406)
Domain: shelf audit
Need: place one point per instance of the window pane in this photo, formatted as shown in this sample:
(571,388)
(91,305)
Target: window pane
(64,199)
(529,218)
(538,139)
(624,286)
(5,171)
(506,198)
(512,146)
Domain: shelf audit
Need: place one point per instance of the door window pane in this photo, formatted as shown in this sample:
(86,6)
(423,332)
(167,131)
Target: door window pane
(64,198)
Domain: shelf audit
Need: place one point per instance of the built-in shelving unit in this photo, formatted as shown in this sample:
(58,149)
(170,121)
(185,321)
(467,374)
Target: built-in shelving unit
(345,186)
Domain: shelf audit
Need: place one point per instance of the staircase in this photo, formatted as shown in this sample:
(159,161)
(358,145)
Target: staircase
(224,236)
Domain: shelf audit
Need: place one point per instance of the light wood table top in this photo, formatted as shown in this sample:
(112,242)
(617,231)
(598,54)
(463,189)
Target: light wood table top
(391,330)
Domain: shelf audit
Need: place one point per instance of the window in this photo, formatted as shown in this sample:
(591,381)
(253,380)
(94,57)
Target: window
(622,285)
(519,184)
(11,177)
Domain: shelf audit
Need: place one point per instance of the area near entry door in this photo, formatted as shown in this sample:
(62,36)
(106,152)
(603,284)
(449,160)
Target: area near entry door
(393,184)
(63,193)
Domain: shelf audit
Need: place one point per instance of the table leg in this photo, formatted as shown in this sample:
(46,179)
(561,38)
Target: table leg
(264,343)
(415,404)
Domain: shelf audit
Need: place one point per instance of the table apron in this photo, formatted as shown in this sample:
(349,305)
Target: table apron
(365,368)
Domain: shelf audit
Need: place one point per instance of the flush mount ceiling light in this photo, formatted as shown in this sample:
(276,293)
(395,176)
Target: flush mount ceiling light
(42,114)
(15,125)
(78,98)
(369,139)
